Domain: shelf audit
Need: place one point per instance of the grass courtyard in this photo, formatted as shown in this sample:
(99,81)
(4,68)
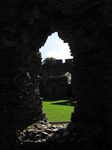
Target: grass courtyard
(58,110)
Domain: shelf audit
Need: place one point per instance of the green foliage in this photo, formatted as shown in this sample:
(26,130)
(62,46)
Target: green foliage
(58,110)
(49,60)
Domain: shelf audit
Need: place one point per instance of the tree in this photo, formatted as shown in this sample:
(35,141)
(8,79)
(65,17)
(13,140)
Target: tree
(50,60)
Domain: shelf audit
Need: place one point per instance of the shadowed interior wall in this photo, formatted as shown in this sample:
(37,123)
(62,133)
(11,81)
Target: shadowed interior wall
(24,27)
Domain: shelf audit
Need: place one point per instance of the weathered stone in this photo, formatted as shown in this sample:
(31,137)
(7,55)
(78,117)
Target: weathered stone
(48,130)
(54,126)
(72,139)
(39,140)
(74,134)
(57,137)
(43,140)
(42,122)
(44,135)
(48,125)
(66,133)
(54,130)
(29,130)
(37,137)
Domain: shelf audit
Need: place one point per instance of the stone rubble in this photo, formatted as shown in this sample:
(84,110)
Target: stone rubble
(43,132)
(48,133)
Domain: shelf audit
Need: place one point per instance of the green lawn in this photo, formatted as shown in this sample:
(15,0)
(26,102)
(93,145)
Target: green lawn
(58,110)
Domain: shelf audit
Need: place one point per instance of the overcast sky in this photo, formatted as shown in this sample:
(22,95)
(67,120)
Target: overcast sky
(54,47)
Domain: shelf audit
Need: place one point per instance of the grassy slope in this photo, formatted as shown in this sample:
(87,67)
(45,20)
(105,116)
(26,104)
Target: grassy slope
(59,110)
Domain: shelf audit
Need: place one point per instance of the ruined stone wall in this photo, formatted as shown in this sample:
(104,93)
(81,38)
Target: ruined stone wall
(56,69)
(53,80)
(55,88)
(20,104)
(24,27)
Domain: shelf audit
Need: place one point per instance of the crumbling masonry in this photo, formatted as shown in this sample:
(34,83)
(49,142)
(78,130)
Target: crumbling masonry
(56,79)
(24,27)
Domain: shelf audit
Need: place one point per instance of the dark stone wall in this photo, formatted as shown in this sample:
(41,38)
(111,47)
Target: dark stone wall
(53,80)
(55,88)
(89,87)
(24,27)
(20,61)
(57,68)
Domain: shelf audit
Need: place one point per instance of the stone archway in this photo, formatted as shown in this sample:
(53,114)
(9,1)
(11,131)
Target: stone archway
(86,26)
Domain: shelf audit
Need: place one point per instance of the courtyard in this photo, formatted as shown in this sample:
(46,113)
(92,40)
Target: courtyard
(58,110)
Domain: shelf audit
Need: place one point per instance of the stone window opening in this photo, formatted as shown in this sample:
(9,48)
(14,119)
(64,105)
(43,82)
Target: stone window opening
(56,77)
(51,131)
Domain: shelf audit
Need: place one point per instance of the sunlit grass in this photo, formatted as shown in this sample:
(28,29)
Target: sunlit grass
(58,110)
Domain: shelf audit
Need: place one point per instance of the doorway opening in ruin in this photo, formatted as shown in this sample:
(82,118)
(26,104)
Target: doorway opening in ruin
(58,101)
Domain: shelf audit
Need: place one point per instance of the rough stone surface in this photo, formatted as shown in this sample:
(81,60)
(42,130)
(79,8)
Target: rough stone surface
(42,133)
(79,134)
(56,68)
(56,79)
(24,27)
